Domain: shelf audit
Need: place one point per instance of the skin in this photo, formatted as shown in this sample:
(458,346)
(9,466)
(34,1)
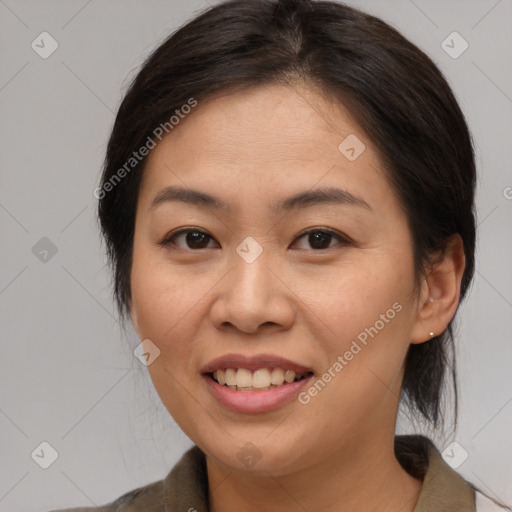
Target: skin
(308,305)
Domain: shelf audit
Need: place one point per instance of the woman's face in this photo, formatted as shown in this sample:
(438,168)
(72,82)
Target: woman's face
(247,289)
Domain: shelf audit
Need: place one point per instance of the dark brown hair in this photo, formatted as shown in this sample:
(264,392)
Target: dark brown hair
(395,92)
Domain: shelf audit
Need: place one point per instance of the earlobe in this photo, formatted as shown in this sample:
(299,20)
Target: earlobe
(440,292)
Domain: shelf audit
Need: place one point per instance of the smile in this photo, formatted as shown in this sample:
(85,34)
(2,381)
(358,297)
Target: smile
(256,383)
(262,379)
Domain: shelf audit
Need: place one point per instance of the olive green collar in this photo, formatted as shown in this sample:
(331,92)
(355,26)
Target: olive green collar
(443,490)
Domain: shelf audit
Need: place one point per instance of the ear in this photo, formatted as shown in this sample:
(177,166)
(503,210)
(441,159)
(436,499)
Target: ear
(440,292)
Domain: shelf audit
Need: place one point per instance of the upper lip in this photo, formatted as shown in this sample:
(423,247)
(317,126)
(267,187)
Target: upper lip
(253,363)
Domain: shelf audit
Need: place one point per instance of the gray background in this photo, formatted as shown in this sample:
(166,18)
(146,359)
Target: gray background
(67,372)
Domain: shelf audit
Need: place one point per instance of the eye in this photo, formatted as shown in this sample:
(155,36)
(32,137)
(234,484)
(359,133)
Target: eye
(321,238)
(193,238)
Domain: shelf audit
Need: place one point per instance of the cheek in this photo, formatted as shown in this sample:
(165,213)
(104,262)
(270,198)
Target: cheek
(353,297)
(163,296)
(167,306)
(369,312)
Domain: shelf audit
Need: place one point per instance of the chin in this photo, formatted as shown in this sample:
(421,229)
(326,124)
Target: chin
(257,455)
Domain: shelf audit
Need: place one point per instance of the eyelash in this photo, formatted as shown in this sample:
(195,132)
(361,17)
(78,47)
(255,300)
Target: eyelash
(343,240)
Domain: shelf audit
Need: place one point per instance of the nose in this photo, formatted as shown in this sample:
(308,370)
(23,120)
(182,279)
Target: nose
(253,297)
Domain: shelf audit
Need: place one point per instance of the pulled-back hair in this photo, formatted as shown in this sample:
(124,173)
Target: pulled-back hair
(394,91)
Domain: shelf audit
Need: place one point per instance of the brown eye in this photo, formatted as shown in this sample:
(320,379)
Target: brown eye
(192,239)
(316,239)
(320,239)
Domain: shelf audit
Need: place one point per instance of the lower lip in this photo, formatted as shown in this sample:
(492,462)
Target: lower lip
(255,401)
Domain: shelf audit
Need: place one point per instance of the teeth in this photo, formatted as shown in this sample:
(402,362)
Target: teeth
(289,376)
(230,376)
(261,379)
(277,377)
(243,378)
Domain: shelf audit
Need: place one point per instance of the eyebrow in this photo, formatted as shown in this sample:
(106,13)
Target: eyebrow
(308,198)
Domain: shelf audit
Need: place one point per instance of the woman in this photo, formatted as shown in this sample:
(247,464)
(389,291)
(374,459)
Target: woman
(287,202)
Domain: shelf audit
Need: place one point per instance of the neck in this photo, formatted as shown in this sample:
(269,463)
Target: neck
(366,478)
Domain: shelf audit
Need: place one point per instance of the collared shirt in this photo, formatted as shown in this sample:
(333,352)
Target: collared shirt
(185,488)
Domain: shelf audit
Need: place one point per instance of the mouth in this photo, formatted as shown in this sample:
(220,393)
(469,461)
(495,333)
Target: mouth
(262,379)
(254,384)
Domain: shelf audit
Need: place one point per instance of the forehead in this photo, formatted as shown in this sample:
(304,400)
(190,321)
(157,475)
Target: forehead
(277,121)
(277,138)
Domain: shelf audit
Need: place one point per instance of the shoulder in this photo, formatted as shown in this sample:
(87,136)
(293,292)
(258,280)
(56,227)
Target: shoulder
(185,485)
(443,488)
(145,498)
